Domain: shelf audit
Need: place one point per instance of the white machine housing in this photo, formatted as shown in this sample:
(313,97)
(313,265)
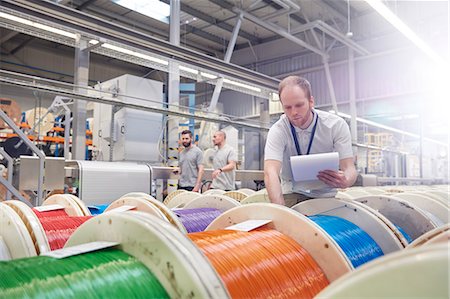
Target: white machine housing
(136,133)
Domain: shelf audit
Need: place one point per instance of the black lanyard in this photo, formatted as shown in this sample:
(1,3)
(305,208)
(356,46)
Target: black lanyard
(294,134)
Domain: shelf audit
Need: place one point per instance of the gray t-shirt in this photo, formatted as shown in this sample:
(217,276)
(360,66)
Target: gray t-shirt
(190,159)
(222,157)
(332,135)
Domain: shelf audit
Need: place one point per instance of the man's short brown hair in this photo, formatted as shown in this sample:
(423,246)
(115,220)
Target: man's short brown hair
(295,80)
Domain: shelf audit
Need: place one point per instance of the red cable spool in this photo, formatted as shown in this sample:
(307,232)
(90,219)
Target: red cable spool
(59,226)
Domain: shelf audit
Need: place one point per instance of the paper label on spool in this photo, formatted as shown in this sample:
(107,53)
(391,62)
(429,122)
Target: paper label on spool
(123,208)
(248,225)
(79,249)
(49,208)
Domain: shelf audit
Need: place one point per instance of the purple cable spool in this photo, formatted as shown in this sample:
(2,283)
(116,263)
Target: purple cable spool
(196,220)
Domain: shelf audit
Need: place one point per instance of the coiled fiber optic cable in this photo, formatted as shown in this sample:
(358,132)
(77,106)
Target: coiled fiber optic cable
(262,263)
(196,220)
(407,237)
(108,273)
(59,226)
(358,246)
(98,209)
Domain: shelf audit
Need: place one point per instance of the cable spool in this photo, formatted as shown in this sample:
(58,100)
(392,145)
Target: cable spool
(213,191)
(15,234)
(172,195)
(32,117)
(33,225)
(175,261)
(374,190)
(138,204)
(12,109)
(393,228)
(247,191)
(257,197)
(170,216)
(180,200)
(80,203)
(58,226)
(401,213)
(438,235)
(236,195)
(417,273)
(4,251)
(323,249)
(444,199)
(352,193)
(71,207)
(200,212)
(356,214)
(443,195)
(435,210)
(208,156)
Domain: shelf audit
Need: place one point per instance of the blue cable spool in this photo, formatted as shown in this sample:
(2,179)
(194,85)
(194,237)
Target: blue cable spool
(356,243)
(407,237)
(98,209)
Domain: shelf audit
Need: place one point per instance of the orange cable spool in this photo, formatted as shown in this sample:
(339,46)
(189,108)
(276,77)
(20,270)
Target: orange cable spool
(59,226)
(262,263)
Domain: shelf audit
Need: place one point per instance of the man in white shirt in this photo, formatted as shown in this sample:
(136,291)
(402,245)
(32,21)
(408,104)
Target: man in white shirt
(304,130)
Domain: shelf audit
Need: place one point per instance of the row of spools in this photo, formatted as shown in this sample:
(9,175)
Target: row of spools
(366,242)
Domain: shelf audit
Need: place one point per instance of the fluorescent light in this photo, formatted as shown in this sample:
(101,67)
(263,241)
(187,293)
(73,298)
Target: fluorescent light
(130,52)
(188,69)
(242,85)
(208,75)
(386,13)
(37,25)
(152,8)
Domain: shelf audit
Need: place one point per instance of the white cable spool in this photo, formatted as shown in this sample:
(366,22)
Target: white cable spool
(15,234)
(236,195)
(208,156)
(4,251)
(33,225)
(443,195)
(439,212)
(46,125)
(213,191)
(68,203)
(438,235)
(254,198)
(407,216)
(361,217)
(247,191)
(343,195)
(81,204)
(177,263)
(417,273)
(137,204)
(374,190)
(352,193)
(215,201)
(172,195)
(180,200)
(170,216)
(324,250)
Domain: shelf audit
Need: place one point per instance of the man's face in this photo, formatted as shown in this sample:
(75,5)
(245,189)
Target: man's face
(186,140)
(296,105)
(217,138)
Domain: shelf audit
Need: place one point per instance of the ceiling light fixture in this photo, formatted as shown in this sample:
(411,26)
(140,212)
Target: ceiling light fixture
(37,25)
(395,21)
(239,84)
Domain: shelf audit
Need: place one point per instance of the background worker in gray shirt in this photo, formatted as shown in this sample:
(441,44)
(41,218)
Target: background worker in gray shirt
(190,164)
(224,163)
(304,130)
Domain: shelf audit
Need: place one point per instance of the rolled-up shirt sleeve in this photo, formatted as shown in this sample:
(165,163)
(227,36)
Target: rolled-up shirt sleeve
(275,144)
(342,142)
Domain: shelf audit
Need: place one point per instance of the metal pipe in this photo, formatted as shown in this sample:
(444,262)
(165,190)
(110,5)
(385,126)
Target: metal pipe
(31,83)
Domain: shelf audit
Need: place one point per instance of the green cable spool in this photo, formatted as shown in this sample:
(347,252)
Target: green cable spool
(107,273)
